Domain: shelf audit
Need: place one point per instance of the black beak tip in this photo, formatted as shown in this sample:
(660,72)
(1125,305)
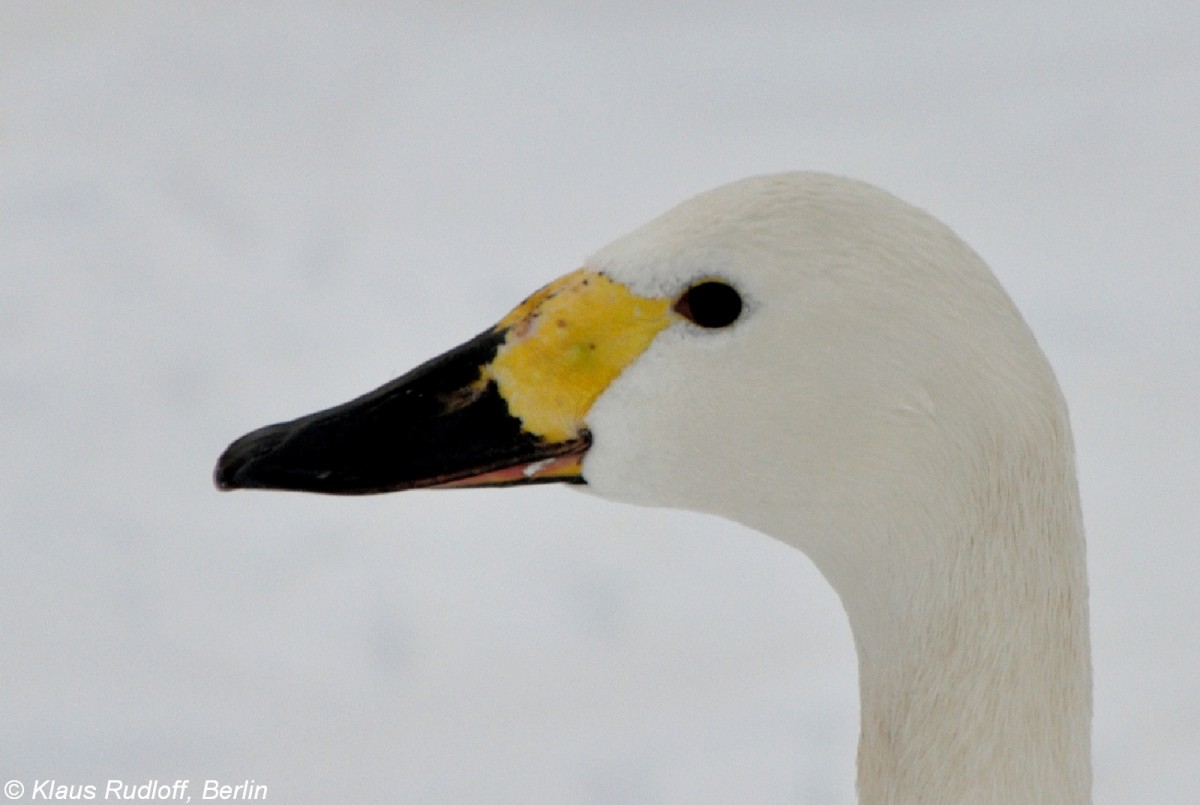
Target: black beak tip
(225,476)
(230,472)
(243,463)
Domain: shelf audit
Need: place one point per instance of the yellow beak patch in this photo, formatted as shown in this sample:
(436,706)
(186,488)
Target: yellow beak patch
(565,345)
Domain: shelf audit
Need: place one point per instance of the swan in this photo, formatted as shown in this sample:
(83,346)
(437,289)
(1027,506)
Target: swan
(811,357)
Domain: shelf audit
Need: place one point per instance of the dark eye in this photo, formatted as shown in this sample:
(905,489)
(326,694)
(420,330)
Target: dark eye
(710,304)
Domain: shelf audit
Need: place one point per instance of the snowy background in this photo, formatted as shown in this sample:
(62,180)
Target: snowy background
(215,216)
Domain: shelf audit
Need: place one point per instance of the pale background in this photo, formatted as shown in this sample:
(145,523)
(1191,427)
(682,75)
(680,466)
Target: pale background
(214,216)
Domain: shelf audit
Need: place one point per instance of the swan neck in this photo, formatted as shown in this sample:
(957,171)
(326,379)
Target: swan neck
(974,674)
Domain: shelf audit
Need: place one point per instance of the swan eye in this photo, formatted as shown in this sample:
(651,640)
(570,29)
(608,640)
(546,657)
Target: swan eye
(710,304)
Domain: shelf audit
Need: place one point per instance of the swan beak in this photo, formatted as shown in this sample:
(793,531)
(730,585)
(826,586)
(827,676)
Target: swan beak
(507,407)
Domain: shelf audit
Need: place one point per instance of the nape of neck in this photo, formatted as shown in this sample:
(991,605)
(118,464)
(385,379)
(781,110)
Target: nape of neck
(977,687)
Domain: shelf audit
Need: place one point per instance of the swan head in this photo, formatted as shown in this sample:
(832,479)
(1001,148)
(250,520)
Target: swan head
(799,352)
(875,378)
(813,358)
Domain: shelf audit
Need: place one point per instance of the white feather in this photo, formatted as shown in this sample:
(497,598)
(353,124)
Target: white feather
(882,406)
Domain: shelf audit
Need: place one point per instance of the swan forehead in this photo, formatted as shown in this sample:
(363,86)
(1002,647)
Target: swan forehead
(565,344)
(739,231)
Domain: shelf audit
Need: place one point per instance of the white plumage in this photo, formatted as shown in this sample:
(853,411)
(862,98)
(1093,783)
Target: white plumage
(882,406)
(817,360)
